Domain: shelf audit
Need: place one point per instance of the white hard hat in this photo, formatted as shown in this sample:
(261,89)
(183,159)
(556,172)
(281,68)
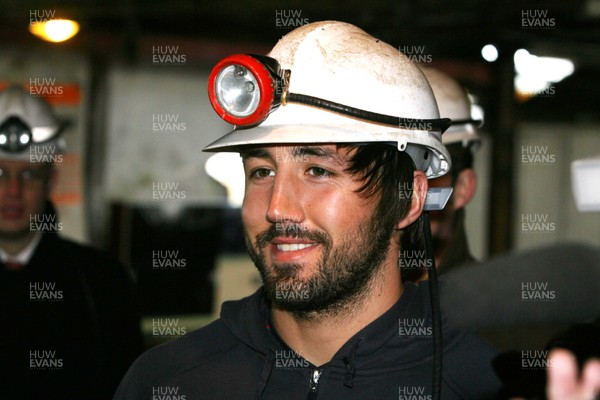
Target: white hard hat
(342,64)
(26,121)
(454,103)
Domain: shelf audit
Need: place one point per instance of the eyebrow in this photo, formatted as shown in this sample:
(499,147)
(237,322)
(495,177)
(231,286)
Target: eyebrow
(297,151)
(255,153)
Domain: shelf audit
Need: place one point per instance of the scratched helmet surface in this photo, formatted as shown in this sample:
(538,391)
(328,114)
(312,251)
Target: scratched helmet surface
(340,62)
(454,103)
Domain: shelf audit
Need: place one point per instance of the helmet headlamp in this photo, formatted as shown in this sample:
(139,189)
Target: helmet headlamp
(244,89)
(15,135)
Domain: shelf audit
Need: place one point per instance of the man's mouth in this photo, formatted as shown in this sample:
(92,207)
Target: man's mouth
(293,246)
(12,211)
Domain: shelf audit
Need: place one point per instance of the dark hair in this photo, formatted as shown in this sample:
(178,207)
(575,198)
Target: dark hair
(462,158)
(385,171)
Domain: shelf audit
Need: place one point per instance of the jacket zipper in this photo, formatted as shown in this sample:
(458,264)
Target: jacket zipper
(314,383)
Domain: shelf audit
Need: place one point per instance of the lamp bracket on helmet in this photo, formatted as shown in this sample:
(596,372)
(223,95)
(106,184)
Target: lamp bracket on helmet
(244,89)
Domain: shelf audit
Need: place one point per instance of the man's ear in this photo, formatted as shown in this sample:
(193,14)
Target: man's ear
(419,196)
(464,188)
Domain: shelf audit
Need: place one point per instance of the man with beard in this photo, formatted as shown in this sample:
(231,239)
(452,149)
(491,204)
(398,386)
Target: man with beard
(69,327)
(334,178)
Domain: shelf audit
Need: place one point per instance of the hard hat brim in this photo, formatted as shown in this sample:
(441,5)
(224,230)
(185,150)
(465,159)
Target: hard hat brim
(409,140)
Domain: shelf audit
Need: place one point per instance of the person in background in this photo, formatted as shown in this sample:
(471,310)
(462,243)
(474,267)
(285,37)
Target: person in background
(450,242)
(69,318)
(573,355)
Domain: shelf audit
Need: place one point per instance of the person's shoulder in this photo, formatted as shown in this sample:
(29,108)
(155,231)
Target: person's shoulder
(100,269)
(94,262)
(189,350)
(85,250)
(465,354)
(175,358)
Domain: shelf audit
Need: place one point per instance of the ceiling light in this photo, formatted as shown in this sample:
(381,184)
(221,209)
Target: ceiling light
(489,52)
(535,75)
(55,30)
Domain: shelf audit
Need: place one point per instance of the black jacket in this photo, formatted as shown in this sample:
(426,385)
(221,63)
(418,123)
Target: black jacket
(70,328)
(239,356)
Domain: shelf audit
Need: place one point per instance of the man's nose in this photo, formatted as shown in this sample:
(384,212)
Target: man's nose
(15,186)
(285,204)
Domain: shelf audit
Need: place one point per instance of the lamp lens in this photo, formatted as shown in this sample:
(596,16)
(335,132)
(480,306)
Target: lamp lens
(237,91)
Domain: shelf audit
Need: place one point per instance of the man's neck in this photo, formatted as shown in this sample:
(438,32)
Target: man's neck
(318,340)
(13,246)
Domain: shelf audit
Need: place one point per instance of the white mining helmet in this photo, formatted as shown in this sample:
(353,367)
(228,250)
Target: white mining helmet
(454,103)
(341,65)
(27,121)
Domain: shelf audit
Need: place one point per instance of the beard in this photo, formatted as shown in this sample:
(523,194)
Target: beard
(343,276)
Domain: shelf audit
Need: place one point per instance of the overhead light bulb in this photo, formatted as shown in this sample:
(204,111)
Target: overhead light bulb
(489,52)
(55,30)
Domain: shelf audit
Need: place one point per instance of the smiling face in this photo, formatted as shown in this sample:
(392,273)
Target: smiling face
(315,240)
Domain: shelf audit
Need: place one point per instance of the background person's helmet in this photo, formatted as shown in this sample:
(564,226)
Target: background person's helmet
(27,121)
(454,103)
(341,63)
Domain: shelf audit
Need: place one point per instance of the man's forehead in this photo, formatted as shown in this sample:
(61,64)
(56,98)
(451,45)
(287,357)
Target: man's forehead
(329,151)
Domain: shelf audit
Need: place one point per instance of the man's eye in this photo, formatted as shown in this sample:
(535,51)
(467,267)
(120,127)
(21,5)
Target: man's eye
(262,173)
(31,174)
(317,171)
